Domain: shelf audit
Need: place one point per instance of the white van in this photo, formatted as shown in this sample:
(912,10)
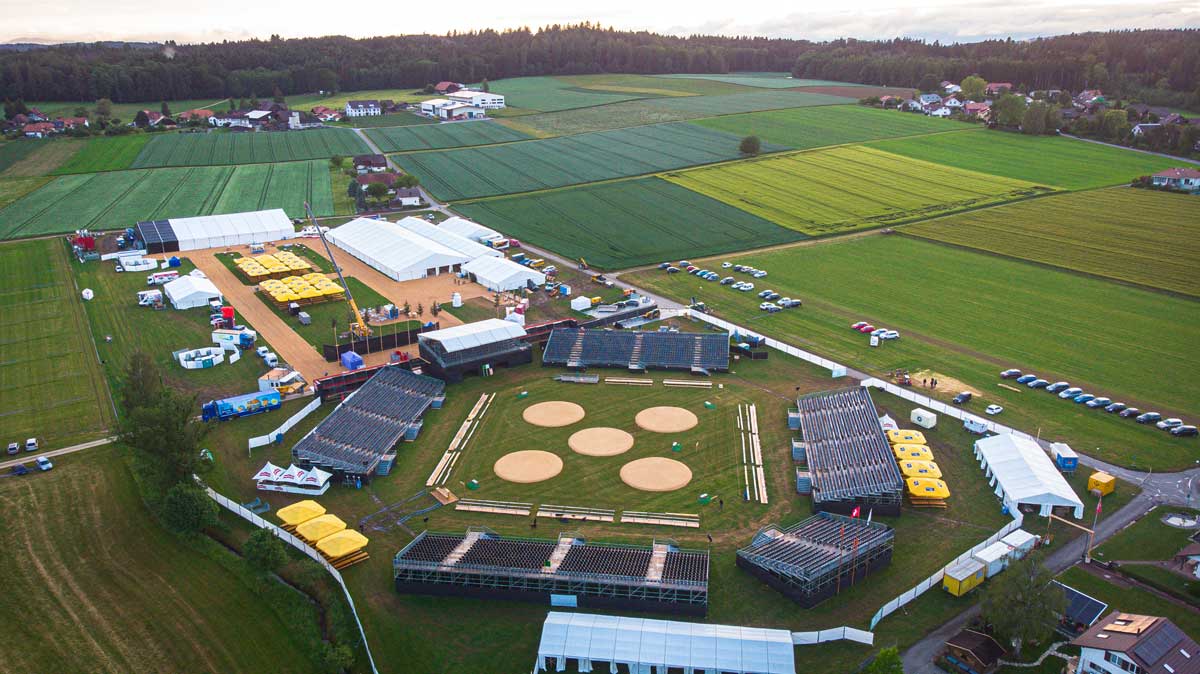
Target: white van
(31,445)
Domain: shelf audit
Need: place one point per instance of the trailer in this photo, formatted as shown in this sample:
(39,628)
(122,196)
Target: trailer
(240,406)
(161,278)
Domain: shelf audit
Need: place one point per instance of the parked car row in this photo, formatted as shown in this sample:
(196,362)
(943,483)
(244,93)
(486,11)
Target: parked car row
(774,301)
(31,445)
(868,329)
(1077,395)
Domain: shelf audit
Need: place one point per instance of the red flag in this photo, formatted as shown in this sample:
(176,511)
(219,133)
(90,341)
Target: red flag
(854,513)
(1098,503)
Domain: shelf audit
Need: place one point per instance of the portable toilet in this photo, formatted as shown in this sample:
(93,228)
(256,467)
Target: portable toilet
(1020,542)
(923,418)
(963,577)
(304,318)
(456,300)
(1065,458)
(903,437)
(994,557)
(1102,482)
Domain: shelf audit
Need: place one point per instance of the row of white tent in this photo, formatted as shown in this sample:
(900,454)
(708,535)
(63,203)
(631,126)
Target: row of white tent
(233,229)
(293,479)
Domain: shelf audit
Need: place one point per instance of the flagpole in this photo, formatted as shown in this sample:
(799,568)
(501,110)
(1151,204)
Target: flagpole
(841,540)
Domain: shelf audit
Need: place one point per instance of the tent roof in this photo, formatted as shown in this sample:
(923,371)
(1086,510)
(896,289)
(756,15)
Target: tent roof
(992,553)
(1018,538)
(342,543)
(393,248)
(471,335)
(469,229)
(190,285)
(268,472)
(320,527)
(456,242)
(502,271)
(667,643)
(1025,472)
(300,511)
(264,226)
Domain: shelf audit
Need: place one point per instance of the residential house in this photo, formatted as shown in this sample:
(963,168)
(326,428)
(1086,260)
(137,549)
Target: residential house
(431,106)
(388,179)
(19,119)
(368,108)
(927,101)
(976,650)
(230,119)
(981,110)
(1140,130)
(1189,558)
(325,114)
(35,115)
(153,118)
(480,99)
(447,87)
(1144,111)
(193,115)
(910,105)
(302,120)
(63,123)
(1185,179)
(406,196)
(1089,97)
(370,163)
(1121,643)
(259,117)
(997,88)
(940,111)
(953,103)
(38,130)
(460,111)
(1172,118)
(950,88)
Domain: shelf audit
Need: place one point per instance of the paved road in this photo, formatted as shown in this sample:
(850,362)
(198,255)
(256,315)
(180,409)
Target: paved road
(28,458)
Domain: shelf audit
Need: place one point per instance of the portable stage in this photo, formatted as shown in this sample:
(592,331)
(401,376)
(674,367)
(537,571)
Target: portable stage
(454,352)
(358,439)
(815,559)
(694,352)
(566,572)
(848,455)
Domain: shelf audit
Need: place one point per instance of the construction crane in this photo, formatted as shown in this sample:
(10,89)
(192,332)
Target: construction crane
(358,328)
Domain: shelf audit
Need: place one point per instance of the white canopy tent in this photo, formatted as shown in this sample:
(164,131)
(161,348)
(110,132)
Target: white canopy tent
(471,335)
(394,251)
(648,646)
(469,229)
(233,229)
(461,244)
(499,273)
(1023,474)
(189,292)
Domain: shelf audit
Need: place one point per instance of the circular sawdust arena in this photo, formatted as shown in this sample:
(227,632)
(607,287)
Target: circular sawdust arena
(666,419)
(553,414)
(530,465)
(600,441)
(656,474)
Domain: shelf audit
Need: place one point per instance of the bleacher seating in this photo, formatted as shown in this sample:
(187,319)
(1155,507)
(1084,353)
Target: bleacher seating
(848,455)
(606,560)
(432,548)
(686,566)
(637,350)
(817,546)
(517,554)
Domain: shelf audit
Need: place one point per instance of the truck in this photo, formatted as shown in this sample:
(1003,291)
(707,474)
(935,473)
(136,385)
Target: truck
(497,242)
(240,406)
(161,277)
(518,257)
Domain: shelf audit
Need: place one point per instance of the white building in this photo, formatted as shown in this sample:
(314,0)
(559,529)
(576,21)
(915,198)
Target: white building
(396,252)
(460,111)
(940,112)
(1024,475)
(482,99)
(499,273)
(369,108)
(431,106)
(460,244)
(1121,643)
(189,292)
(469,229)
(216,231)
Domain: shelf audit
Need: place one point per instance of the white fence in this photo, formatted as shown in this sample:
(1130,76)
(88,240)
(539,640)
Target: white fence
(294,541)
(287,425)
(821,636)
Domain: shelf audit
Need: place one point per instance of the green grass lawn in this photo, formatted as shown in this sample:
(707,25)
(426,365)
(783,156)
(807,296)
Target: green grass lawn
(226,148)
(15,151)
(393,119)
(50,382)
(969,316)
(1045,160)
(339,184)
(1148,539)
(818,126)
(765,80)
(551,93)
(90,566)
(1131,599)
(107,153)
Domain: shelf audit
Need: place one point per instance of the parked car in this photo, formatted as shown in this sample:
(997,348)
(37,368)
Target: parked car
(760,274)
(31,445)
(994,409)
(1129,412)
(13,448)
(867,329)
(672,270)
(739,267)
(878,332)
(1083,398)
(43,463)
(1168,424)
(858,325)
(890,334)
(1011,373)
(773,296)
(770,307)
(962,398)
(727,280)
(1183,431)
(664,265)
(1099,402)
(726,265)
(1038,383)
(1057,386)
(764,293)
(1070,392)
(684,263)
(747,287)
(20,469)
(793,302)
(1113,408)
(1026,378)
(1148,418)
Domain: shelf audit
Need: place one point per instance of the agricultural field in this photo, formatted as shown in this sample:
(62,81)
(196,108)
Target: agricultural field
(44,160)
(440,136)
(123,111)
(15,151)
(393,119)
(805,128)
(847,188)
(557,162)
(121,198)
(627,223)
(651,85)
(967,316)
(223,148)
(1053,161)
(1130,235)
(106,153)
(755,101)
(599,118)
(50,382)
(94,583)
(545,94)
(758,79)
(12,189)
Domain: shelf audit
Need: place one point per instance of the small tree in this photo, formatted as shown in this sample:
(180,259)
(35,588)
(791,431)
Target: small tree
(336,659)
(420,309)
(1009,109)
(887,661)
(928,83)
(973,87)
(277,95)
(142,382)
(141,119)
(264,551)
(377,191)
(407,180)
(1033,122)
(187,510)
(484,85)
(81,112)
(750,145)
(337,161)
(1022,604)
(165,109)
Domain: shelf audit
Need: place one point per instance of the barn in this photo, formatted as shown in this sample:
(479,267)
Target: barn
(396,252)
(215,231)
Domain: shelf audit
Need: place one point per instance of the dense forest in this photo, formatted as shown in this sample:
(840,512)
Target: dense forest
(1167,61)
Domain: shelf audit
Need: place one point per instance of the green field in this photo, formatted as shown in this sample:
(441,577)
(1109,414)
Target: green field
(762,80)
(47,156)
(121,198)
(50,382)
(124,111)
(1137,236)
(551,93)
(222,148)
(1045,160)
(968,316)
(558,162)
(94,583)
(439,136)
(819,126)
(755,101)
(627,223)
(393,119)
(650,85)
(14,151)
(110,153)
(12,189)
(846,188)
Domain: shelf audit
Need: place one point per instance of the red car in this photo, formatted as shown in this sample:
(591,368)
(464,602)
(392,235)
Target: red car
(858,325)
(867,328)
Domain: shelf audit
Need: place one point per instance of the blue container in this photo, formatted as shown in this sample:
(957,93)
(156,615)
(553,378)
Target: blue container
(352,361)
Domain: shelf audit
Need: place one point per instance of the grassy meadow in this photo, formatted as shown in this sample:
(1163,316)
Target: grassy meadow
(12,189)
(763,80)
(546,94)
(819,126)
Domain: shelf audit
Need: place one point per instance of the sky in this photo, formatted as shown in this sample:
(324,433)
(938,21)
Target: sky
(944,20)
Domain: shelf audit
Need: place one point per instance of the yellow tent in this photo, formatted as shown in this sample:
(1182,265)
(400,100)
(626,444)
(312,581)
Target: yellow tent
(299,512)
(912,453)
(926,487)
(344,542)
(320,527)
(906,437)
(917,468)
(1102,482)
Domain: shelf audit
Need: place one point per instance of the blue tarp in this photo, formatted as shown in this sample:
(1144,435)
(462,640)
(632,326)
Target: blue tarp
(351,360)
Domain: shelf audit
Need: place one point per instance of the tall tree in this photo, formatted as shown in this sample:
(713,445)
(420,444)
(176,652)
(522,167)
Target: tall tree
(887,661)
(1114,125)
(141,383)
(377,191)
(277,95)
(484,85)
(165,109)
(973,87)
(141,119)
(750,145)
(1008,110)
(104,110)
(1033,122)
(1022,604)
(929,83)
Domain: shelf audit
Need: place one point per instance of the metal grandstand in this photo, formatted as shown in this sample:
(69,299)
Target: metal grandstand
(635,350)
(481,563)
(362,431)
(815,559)
(848,455)
(456,351)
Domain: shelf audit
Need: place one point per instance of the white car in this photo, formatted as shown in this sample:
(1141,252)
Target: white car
(1168,424)
(43,463)
(746,287)
(994,409)
(759,274)
(890,334)
(726,265)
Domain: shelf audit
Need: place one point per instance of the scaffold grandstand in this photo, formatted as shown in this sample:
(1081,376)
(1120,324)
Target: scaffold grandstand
(454,352)
(358,438)
(847,453)
(636,350)
(817,558)
(480,563)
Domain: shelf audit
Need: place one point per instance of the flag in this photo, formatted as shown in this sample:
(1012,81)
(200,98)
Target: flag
(854,513)
(1098,504)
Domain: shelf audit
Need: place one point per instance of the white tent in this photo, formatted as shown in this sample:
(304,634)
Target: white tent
(189,292)
(461,244)
(396,252)
(1023,474)
(581,303)
(469,229)
(499,273)
(471,335)
(648,646)
(233,229)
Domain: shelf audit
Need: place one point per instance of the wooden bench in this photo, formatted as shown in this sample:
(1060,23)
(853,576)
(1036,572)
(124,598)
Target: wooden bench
(576,513)
(688,383)
(689,520)
(629,381)
(494,507)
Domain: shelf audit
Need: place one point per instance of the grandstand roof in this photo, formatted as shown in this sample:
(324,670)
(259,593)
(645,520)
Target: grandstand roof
(467,228)
(395,251)
(500,273)
(1025,473)
(642,642)
(456,242)
(471,335)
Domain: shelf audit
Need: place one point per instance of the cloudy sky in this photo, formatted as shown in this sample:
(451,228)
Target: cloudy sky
(945,20)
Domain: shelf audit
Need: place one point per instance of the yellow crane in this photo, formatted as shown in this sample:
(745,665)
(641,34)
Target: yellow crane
(358,328)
